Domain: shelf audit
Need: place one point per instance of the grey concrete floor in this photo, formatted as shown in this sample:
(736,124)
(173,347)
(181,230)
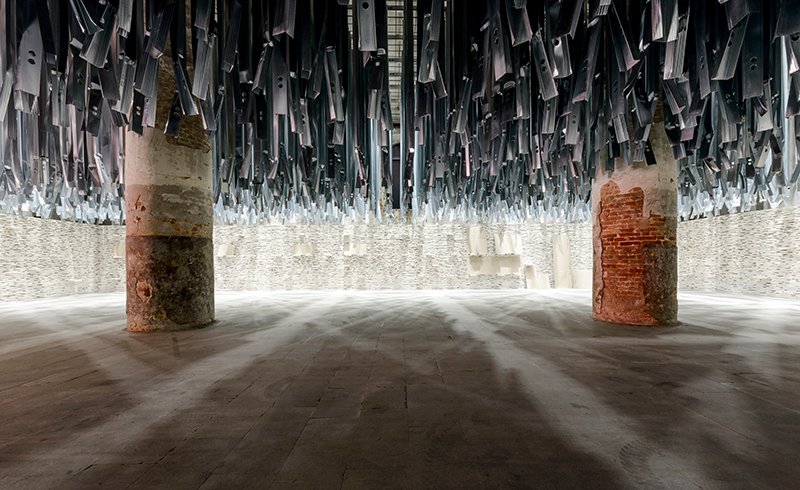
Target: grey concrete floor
(399,389)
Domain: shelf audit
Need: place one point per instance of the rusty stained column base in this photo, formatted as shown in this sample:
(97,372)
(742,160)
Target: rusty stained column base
(170,282)
(169,236)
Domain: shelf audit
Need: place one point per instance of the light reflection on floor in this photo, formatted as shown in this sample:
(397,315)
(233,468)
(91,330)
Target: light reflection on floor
(411,389)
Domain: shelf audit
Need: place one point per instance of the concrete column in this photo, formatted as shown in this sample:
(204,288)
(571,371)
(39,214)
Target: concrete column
(635,277)
(169,222)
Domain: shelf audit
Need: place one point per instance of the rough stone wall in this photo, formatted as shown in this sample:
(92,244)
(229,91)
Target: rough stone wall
(396,256)
(750,253)
(41,258)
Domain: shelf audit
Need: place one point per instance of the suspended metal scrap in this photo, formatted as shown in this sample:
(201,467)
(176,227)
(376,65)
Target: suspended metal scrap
(507,107)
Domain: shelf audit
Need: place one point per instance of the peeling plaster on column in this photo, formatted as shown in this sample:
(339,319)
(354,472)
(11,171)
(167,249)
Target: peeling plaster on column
(659,203)
(598,284)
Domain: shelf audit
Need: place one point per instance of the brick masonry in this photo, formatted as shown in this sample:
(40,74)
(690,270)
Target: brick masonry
(638,253)
(634,215)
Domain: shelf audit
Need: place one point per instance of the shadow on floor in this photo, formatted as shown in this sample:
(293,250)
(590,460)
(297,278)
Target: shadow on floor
(413,391)
(718,403)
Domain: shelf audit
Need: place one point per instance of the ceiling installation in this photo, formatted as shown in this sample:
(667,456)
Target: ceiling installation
(507,108)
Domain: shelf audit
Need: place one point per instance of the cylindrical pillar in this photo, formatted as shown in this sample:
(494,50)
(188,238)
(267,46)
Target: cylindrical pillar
(635,208)
(169,222)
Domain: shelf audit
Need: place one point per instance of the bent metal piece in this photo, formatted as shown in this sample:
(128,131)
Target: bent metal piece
(505,115)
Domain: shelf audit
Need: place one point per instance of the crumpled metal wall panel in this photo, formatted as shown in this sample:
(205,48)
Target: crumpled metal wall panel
(507,107)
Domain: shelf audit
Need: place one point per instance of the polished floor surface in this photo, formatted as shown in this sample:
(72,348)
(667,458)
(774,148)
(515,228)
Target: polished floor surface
(401,390)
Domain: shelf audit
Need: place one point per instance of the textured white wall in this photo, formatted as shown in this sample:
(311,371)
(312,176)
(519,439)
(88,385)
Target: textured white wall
(397,256)
(751,253)
(40,258)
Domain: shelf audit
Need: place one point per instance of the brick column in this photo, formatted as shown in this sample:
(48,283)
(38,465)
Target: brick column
(635,244)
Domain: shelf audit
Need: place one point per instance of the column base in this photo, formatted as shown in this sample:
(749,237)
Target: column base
(170,283)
